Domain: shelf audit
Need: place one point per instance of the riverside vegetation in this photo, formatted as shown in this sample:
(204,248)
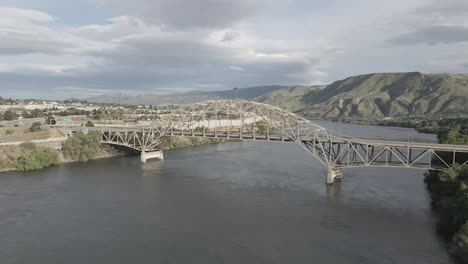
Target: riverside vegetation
(35,157)
(449,192)
(82,147)
(79,148)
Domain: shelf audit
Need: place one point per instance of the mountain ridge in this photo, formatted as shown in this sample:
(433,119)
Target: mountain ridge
(380,95)
(373,95)
(184,98)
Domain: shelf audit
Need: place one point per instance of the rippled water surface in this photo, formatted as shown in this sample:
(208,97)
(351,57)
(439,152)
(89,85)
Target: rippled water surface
(239,202)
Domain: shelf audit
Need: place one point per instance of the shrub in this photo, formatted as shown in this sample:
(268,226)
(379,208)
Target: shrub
(200,129)
(262,127)
(28,146)
(452,136)
(37,159)
(449,192)
(82,147)
(461,237)
(36,126)
(9,115)
(51,120)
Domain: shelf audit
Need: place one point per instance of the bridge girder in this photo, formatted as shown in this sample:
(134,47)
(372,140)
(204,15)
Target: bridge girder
(248,120)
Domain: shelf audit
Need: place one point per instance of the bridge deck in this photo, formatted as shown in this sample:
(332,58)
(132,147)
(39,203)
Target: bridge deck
(279,138)
(247,120)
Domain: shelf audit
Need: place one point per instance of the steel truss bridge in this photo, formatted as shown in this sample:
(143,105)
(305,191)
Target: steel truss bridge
(247,120)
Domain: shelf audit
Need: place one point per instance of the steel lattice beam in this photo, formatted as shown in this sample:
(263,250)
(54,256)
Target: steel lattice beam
(247,120)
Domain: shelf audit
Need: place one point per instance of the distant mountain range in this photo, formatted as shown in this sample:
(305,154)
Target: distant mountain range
(373,95)
(184,98)
(378,95)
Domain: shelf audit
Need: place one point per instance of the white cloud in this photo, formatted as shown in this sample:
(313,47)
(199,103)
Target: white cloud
(237,68)
(18,16)
(35,69)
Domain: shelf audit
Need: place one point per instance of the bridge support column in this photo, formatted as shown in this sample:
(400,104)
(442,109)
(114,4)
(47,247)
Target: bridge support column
(144,156)
(332,174)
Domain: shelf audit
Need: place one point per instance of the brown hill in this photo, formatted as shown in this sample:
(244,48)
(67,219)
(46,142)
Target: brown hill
(378,95)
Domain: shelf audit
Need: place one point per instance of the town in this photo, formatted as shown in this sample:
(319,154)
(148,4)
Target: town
(23,113)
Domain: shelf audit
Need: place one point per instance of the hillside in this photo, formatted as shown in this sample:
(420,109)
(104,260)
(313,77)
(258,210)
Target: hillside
(375,95)
(184,98)
(290,98)
(378,95)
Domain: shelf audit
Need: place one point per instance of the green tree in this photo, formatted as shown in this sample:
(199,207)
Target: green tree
(9,115)
(82,147)
(51,119)
(261,127)
(452,136)
(35,158)
(25,114)
(460,239)
(36,126)
(449,187)
(36,113)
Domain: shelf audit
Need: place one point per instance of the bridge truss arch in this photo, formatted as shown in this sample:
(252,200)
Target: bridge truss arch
(248,120)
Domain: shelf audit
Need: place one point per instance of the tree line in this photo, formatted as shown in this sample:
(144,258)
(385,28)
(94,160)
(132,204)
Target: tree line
(449,193)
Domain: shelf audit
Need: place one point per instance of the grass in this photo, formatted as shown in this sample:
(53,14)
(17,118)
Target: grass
(24,134)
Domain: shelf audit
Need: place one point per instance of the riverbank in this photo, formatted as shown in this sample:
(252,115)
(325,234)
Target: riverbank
(78,151)
(449,193)
(422,124)
(10,154)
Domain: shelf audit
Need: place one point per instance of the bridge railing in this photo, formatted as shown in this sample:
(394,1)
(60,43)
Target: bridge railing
(240,119)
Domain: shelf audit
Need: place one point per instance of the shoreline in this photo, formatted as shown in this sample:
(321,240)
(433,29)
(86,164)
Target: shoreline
(106,151)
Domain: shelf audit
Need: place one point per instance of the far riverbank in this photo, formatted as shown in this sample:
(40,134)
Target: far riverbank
(12,152)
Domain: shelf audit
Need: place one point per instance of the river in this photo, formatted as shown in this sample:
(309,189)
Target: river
(237,202)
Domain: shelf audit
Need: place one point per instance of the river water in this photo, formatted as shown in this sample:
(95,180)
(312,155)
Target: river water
(238,202)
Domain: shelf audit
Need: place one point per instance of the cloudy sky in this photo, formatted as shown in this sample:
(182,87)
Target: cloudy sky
(79,48)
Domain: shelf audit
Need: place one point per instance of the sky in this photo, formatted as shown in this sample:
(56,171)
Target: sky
(79,48)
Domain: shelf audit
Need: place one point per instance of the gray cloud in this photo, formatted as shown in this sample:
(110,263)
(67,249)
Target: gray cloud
(22,31)
(434,23)
(444,8)
(129,54)
(433,35)
(188,13)
(230,36)
(14,42)
(164,45)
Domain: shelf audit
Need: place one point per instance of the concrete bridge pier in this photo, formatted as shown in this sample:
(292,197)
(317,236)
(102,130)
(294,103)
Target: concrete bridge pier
(144,156)
(332,174)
